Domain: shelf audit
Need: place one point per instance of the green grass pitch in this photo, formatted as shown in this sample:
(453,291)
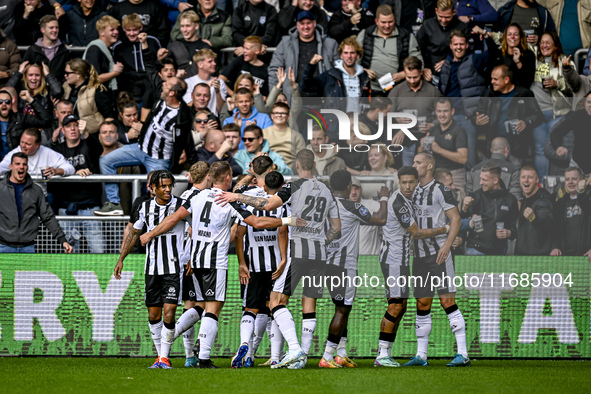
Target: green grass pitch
(115,375)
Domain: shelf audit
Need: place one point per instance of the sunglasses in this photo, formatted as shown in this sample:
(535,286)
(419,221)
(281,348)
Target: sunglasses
(199,121)
(7,101)
(244,139)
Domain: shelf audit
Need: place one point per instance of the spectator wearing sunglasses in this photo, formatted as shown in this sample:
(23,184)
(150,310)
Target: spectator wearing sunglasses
(256,145)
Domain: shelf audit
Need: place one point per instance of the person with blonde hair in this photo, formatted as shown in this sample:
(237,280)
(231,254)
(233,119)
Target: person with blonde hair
(380,161)
(183,49)
(206,66)
(249,63)
(38,81)
(93,103)
(98,52)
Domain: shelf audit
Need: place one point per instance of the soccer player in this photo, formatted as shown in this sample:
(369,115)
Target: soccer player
(262,255)
(395,259)
(311,200)
(163,263)
(433,203)
(343,253)
(192,298)
(211,224)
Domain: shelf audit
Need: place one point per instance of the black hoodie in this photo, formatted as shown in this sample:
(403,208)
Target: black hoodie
(534,238)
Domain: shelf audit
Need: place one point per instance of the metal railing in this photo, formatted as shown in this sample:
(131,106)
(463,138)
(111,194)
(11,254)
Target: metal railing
(579,59)
(71,48)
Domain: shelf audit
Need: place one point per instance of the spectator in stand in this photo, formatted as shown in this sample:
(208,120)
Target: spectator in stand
(572,217)
(216,148)
(289,16)
(164,143)
(152,14)
(23,205)
(42,160)
(256,145)
(98,52)
(183,49)
(325,156)
(70,198)
(551,92)
(158,73)
(446,178)
(7,16)
(370,236)
(535,221)
(255,18)
(92,101)
(530,15)
(215,26)
(500,150)
(243,81)
(28,17)
(49,49)
(38,82)
(379,106)
(277,96)
(517,56)
(434,37)
(385,46)
(13,123)
(450,146)
(62,109)
(297,49)
(232,133)
(355,158)
(498,210)
(108,137)
(128,52)
(202,123)
(248,63)
(350,19)
(128,124)
(413,95)
(580,84)
(282,139)
(577,122)
(342,86)
(206,65)
(10,58)
(479,12)
(510,111)
(82,19)
(380,161)
(463,75)
(245,114)
(570,18)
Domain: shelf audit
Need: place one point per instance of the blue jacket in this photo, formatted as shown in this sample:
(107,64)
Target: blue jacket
(506,13)
(243,157)
(262,120)
(480,10)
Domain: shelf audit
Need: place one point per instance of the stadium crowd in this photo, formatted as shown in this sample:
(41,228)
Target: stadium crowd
(488,83)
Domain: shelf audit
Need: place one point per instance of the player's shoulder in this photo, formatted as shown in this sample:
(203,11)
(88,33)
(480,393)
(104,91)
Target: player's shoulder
(441,187)
(255,191)
(400,203)
(353,208)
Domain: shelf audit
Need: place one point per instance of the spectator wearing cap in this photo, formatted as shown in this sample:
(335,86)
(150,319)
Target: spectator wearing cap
(290,15)
(299,47)
(23,207)
(369,236)
(71,199)
(385,46)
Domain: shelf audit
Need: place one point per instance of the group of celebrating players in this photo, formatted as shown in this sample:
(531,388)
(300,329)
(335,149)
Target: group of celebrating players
(187,241)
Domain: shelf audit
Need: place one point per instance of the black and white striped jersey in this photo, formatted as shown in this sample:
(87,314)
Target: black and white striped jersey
(312,201)
(164,253)
(187,195)
(395,236)
(158,139)
(261,247)
(344,250)
(211,228)
(430,203)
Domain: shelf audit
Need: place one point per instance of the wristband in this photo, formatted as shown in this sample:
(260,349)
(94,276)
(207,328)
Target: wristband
(384,199)
(285,221)
(447,228)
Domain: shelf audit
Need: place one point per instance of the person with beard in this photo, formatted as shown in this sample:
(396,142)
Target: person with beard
(28,17)
(152,14)
(255,18)
(49,49)
(98,52)
(536,219)
(23,207)
(534,18)
(497,207)
(81,20)
(93,102)
(183,49)
(128,51)
(572,215)
(350,19)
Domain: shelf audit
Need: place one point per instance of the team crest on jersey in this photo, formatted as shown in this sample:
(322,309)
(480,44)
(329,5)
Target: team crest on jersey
(246,18)
(178,132)
(447,189)
(448,137)
(262,20)
(209,293)
(405,218)
(364,211)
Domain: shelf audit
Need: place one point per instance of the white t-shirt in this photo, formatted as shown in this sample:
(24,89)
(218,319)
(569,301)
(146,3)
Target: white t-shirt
(194,81)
